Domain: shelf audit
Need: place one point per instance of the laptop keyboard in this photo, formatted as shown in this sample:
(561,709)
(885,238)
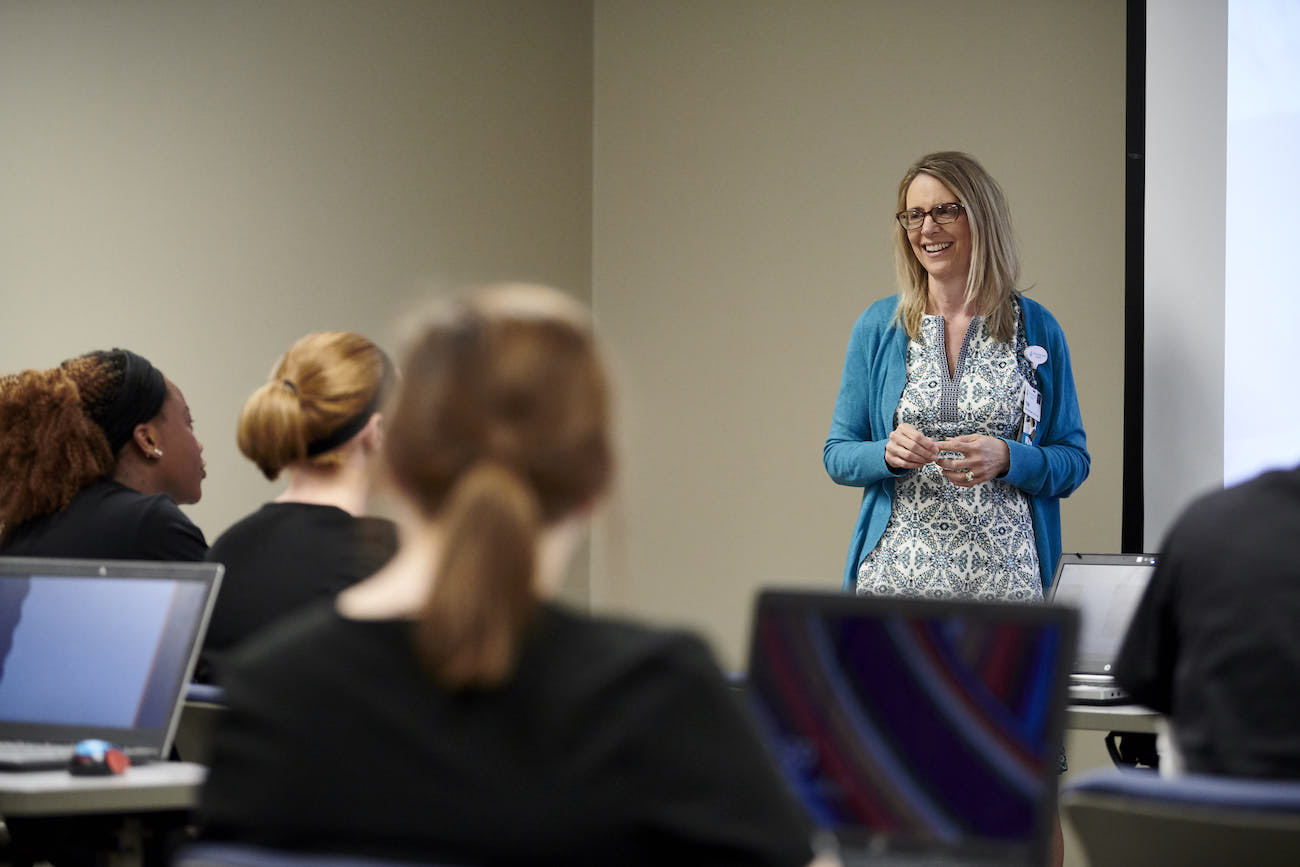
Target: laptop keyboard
(33,755)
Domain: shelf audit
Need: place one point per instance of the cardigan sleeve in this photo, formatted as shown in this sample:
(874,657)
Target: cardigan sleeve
(1058,461)
(854,453)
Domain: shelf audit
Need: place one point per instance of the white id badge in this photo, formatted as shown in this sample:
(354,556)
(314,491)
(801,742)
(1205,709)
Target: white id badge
(1033,403)
(1033,413)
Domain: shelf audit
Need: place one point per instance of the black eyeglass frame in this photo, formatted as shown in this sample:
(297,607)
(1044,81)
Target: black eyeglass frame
(950,211)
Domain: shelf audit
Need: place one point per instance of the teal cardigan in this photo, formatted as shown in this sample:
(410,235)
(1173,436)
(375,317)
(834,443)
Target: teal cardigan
(875,371)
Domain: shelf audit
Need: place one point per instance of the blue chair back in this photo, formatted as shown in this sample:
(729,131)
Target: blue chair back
(1135,817)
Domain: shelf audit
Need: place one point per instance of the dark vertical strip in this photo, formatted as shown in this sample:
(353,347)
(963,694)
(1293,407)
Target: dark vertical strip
(1132,515)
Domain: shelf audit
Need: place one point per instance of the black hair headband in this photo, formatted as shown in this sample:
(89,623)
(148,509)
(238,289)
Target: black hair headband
(139,397)
(354,425)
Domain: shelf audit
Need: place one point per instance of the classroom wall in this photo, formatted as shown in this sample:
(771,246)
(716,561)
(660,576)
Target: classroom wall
(747,157)
(206,181)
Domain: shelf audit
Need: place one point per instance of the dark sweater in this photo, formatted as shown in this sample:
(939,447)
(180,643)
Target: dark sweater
(107,520)
(284,556)
(1215,641)
(611,744)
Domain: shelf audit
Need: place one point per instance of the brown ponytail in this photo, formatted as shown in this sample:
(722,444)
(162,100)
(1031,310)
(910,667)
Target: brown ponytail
(49,447)
(484,594)
(500,430)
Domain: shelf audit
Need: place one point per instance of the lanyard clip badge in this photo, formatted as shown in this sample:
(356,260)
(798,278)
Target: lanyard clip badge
(1033,405)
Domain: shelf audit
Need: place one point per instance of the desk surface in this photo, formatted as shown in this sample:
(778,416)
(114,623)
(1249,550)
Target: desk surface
(1111,718)
(175,785)
(157,786)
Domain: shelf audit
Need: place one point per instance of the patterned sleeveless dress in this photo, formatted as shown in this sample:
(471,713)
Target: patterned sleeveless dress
(948,541)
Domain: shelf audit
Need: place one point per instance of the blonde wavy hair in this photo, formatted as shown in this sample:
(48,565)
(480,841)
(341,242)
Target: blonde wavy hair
(994,262)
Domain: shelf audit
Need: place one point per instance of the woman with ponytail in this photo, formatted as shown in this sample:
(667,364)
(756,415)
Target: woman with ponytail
(318,420)
(448,709)
(95,455)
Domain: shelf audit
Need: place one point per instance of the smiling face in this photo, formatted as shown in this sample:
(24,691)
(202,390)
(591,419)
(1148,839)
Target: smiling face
(944,251)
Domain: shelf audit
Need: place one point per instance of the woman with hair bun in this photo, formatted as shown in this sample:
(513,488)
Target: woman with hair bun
(447,709)
(95,455)
(317,418)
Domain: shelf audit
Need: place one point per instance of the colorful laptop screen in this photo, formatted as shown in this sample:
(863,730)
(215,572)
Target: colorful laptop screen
(933,722)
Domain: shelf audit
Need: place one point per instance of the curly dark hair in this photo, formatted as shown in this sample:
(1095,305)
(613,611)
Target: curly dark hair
(50,444)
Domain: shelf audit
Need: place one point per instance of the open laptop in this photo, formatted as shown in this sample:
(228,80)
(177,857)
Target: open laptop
(96,649)
(1106,589)
(916,731)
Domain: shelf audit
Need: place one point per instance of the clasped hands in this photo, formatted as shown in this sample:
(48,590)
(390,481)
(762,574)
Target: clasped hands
(982,457)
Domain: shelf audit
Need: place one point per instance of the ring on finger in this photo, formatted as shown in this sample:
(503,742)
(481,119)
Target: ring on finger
(970,476)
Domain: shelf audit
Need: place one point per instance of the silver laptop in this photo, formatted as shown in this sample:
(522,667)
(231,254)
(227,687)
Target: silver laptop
(916,731)
(96,649)
(1106,589)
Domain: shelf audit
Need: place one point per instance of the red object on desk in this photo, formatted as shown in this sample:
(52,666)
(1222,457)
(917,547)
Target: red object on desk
(95,758)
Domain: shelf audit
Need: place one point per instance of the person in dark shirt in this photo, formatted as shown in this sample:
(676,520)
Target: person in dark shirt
(95,455)
(1215,641)
(318,419)
(447,709)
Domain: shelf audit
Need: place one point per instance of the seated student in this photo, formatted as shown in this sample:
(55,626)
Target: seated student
(95,454)
(318,418)
(447,709)
(1215,641)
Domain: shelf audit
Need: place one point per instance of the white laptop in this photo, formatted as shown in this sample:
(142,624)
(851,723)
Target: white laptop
(96,649)
(1106,589)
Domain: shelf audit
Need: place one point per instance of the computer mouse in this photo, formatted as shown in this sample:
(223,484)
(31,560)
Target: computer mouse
(97,758)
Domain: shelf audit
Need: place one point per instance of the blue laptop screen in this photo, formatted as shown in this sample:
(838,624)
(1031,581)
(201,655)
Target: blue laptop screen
(934,727)
(93,651)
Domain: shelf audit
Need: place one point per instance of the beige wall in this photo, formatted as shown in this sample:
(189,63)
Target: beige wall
(747,156)
(205,181)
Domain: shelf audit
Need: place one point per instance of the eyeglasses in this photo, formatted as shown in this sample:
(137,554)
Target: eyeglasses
(914,218)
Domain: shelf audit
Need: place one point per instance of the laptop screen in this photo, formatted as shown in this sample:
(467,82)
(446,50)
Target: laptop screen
(98,649)
(1106,589)
(908,724)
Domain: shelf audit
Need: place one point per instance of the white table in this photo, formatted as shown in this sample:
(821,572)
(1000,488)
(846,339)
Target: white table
(142,789)
(1111,718)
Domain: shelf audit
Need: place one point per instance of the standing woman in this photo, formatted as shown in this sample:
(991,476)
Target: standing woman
(447,709)
(957,413)
(95,455)
(318,419)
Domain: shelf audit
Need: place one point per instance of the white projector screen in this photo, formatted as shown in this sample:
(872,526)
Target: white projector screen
(1261,403)
(1222,124)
